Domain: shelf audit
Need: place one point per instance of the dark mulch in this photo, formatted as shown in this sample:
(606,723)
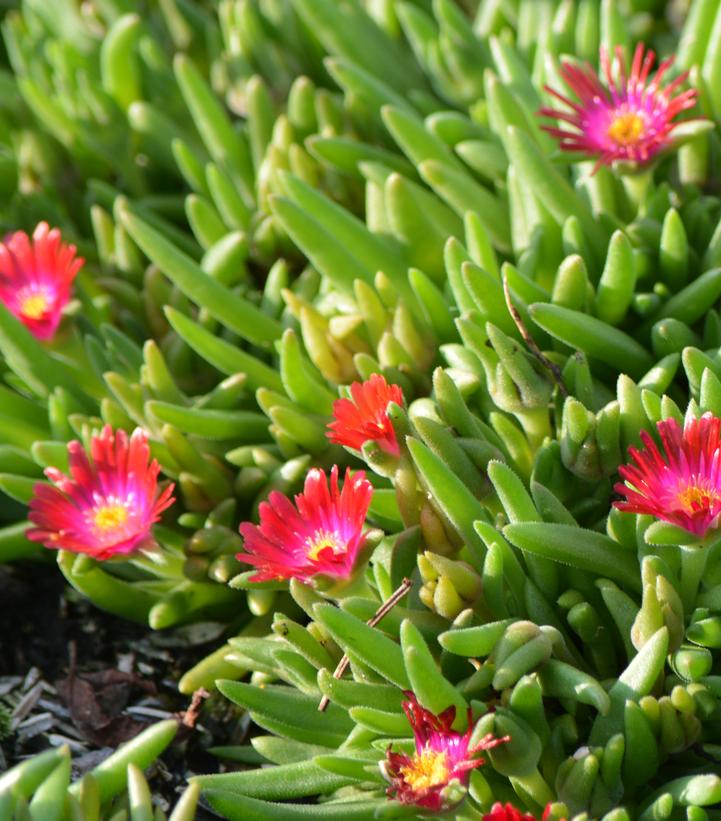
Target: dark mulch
(72,674)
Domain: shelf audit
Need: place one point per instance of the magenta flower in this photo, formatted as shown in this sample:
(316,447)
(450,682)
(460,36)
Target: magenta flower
(36,276)
(321,534)
(108,505)
(442,756)
(683,486)
(365,416)
(628,119)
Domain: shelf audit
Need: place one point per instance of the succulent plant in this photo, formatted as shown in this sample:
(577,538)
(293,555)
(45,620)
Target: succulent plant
(40,788)
(323,237)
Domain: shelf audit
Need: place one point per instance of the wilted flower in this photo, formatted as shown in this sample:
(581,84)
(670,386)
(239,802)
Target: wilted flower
(628,119)
(365,416)
(35,277)
(109,503)
(683,486)
(443,758)
(321,534)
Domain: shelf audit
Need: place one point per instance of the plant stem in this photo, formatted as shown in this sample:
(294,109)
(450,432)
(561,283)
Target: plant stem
(535,425)
(636,187)
(536,787)
(693,564)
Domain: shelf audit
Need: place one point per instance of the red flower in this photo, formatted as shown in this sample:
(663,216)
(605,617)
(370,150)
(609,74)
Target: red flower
(442,756)
(507,812)
(628,119)
(322,534)
(684,486)
(109,505)
(365,416)
(35,277)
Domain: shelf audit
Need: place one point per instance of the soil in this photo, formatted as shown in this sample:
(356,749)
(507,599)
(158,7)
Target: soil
(73,674)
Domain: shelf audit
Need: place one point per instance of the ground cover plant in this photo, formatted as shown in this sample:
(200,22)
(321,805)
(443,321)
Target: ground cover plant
(365,355)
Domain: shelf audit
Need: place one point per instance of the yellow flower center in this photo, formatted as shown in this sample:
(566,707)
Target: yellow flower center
(109,517)
(693,498)
(321,540)
(626,129)
(34,306)
(429,769)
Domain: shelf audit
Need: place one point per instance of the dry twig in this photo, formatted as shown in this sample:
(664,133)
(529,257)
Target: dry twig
(531,342)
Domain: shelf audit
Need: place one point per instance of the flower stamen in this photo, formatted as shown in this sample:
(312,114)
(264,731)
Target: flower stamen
(323,540)
(626,129)
(426,770)
(694,498)
(109,517)
(34,305)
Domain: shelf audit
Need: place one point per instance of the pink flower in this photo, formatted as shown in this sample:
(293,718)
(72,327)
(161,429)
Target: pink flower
(109,505)
(365,416)
(683,486)
(628,119)
(442,756)
(321,534)
(35,277)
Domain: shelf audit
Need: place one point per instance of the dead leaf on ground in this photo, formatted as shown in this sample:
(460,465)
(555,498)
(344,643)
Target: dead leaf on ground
(96,702)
